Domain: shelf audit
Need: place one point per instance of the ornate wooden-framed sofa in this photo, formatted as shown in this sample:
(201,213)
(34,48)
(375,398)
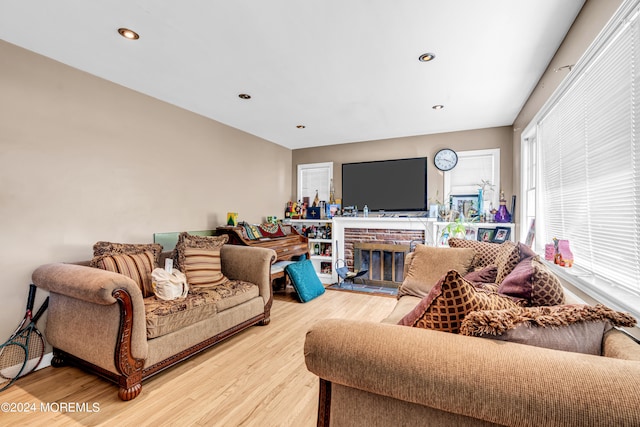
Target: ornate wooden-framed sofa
(100,321)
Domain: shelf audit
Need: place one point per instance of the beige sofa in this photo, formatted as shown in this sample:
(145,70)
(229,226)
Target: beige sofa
(100,321)
(384,374)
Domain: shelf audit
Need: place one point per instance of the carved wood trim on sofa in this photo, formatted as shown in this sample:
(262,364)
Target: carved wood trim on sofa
(324,403)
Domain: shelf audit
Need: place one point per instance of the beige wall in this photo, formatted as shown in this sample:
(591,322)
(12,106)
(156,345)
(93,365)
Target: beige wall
(83,159)
(414,146)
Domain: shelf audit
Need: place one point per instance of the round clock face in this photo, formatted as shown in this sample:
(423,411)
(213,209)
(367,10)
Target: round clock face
(445,159)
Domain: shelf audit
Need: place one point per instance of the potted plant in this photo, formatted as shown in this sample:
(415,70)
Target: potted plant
(456,228)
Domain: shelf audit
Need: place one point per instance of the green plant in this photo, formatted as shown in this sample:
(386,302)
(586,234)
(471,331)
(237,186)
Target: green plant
(455,228)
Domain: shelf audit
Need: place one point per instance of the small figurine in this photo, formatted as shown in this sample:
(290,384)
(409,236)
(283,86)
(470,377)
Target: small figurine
(563,256)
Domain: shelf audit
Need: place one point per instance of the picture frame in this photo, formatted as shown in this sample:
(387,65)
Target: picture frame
(465,204)
(470,234)
(501,234)
(486,234)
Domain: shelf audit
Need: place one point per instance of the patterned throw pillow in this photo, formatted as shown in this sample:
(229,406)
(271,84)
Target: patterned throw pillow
(486,252)
(198,257)
(429,264)
(532,280)
(110,248)
(137,266)
(450,300)
(203,267)
(578,328)
(483,275)
(546,287)
(506,260)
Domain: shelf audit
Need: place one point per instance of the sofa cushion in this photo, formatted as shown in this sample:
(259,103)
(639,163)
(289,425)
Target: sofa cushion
(304,280)
(486,252)
(577,328)
(450,300)
(533,281)
(164,317)
(198,257)
(136,266)
(429,264)
(110,248)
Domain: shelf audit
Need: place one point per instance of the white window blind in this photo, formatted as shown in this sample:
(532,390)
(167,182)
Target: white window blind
(588,162)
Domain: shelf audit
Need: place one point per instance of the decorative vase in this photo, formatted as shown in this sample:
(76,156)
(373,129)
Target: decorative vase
(502,215)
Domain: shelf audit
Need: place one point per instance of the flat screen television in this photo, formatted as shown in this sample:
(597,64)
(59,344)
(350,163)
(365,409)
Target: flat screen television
(389,185)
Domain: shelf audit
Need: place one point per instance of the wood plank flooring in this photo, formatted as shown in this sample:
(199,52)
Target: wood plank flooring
(257,378)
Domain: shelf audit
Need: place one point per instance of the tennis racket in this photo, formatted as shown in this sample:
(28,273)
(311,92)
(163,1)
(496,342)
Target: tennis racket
(23,351)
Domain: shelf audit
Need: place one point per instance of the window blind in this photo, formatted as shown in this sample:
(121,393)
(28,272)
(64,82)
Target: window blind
(589,157)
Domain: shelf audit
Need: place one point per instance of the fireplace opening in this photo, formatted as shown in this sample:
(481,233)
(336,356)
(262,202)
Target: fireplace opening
(384,262)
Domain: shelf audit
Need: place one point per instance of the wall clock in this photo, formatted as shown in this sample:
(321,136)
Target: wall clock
(445,159)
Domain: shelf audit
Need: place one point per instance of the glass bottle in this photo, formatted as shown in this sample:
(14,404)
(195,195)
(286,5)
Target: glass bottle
(503,214)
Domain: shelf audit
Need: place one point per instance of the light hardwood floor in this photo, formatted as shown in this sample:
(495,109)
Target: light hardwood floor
(256,378)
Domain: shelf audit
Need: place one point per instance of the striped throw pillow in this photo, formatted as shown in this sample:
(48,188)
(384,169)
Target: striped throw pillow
(137,267)
(202,266)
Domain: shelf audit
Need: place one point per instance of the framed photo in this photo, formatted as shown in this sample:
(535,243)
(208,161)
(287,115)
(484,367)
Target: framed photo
(501,234)
(470,234)
(486,234)
(466,205)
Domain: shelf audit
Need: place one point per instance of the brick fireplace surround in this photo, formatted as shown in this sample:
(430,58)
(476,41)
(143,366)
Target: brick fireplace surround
(380,233)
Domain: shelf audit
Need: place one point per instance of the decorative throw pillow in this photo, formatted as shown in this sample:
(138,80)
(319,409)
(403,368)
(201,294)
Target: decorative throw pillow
(137,267)
(486,252)
(110,248)
(203,267)
(450,300)
(532,280)
(198,257)
(506,260)
(429,264)
(577,328)
(484,275)
(304,280)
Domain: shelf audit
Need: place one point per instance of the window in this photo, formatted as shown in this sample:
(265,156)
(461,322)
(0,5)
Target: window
(581,165)
(314,177)
(472,169)
(529,173)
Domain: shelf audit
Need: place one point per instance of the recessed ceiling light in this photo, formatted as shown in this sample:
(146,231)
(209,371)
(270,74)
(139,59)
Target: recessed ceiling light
(300,126)
(244,96)
(438,107)
(128,34)
(426,57)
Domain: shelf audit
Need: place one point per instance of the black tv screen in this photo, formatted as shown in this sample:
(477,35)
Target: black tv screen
(390,185)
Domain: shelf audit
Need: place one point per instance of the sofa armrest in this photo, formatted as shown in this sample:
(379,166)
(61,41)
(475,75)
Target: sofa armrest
(85,316)
(248,263)
(500,382)
(84,283)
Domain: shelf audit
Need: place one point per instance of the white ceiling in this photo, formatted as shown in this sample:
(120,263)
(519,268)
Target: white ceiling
(346,69)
